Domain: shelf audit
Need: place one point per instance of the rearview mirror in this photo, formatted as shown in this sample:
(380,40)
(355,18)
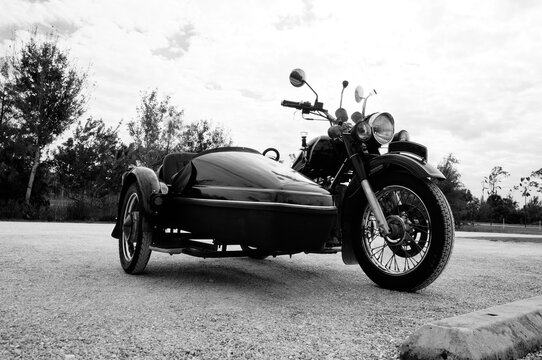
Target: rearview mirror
(358,93)
(297,77)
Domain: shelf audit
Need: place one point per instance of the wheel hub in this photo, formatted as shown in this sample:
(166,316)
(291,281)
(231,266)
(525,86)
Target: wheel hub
(397,230)
(130,227)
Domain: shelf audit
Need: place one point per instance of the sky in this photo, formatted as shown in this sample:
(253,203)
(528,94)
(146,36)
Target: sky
(463,77)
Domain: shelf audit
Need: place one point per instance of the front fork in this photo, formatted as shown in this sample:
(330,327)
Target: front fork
(381,221)
(359,170)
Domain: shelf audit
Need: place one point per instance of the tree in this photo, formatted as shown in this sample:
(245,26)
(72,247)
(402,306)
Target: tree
(533,209)
(502,209)
(5,99)
(157,128)
(203,135)
(47,95)
(526,186)
(461,201)
(537,175)
(89,163)
(15,153)
(496,175)
(453,178)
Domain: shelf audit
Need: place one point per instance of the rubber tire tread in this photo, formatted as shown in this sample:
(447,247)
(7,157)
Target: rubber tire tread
(142,252)
(434,263)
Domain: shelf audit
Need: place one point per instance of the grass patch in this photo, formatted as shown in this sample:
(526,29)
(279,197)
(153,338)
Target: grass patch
(498,228)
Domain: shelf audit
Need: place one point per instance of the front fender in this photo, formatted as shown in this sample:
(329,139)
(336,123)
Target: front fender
(148,183)
(379,166)
(410,164)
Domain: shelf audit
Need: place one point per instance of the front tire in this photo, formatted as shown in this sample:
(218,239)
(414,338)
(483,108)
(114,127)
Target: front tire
(134,244)
(420,245)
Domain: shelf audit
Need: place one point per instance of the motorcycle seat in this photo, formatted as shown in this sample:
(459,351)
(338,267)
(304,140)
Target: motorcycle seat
(173,163)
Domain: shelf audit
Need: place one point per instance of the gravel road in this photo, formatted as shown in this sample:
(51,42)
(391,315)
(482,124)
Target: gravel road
(63,295)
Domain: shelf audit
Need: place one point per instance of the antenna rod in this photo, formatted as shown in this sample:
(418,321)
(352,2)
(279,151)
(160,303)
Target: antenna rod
(345,84)
(365,103)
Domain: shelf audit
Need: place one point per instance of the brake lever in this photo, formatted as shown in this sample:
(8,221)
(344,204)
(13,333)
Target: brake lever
(314,119)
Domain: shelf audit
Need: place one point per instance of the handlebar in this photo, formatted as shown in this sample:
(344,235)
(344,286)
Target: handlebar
(305,106)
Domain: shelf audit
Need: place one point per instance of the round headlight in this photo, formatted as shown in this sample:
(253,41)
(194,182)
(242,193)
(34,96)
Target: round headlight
(362,131)
(383,127)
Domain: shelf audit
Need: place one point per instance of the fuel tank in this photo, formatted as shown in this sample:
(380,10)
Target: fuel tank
(238,196)
(324,157)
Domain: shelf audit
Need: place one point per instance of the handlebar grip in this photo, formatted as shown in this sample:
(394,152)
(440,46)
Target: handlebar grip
(305,106)
(293,104)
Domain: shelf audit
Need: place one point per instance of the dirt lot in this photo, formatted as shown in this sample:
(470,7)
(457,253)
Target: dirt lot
(63,295)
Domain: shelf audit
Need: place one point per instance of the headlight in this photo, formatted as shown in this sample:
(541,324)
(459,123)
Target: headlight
(383,127)
(362,131)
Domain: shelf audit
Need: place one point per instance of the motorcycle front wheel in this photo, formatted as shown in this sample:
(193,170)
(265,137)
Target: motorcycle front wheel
(421,241)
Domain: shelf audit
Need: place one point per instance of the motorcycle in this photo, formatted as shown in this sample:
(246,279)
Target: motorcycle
(381,211)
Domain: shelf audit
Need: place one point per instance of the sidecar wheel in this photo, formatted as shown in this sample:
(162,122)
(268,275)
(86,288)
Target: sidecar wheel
(254,253)
(134,244)
(421,243)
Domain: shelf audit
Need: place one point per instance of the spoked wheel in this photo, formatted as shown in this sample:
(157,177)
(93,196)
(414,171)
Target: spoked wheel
(416,251)
(254,253)
(134,244)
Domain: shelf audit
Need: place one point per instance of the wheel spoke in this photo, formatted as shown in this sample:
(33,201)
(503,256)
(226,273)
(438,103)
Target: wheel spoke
(378,249)
(395,262)
(387,265)
(420,249)
(373,237)
(420,227)
(412,261)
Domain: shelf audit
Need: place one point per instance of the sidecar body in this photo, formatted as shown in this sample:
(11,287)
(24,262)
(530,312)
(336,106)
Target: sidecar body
(229,196)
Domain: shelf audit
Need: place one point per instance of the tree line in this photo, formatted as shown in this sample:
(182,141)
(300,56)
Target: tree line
(496,208)
(42,96)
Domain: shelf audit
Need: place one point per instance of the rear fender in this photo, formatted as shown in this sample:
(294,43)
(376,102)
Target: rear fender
(378,167)
(148,183)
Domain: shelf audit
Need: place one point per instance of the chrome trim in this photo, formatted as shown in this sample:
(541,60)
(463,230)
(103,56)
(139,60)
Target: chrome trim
(375,207)
(254,205)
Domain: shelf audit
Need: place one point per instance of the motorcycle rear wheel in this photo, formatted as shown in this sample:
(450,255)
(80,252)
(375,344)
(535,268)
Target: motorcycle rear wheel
(422,239)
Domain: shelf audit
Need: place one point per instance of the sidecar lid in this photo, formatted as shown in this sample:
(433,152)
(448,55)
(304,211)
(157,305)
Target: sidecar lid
(243,174)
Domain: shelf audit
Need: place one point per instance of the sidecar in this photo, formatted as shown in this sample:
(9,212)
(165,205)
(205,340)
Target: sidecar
(199,204)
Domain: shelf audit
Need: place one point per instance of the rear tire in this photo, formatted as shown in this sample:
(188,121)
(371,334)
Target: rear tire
(417,252)
(134,244)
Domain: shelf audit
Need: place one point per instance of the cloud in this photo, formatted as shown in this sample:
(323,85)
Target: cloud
(251,94)
(304,16)
(178,43)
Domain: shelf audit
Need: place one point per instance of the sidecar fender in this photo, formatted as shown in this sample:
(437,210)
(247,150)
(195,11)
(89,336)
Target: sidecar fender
(379,166)
(148,183)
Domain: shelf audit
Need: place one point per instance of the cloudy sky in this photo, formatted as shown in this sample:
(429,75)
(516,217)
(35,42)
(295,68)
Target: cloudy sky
(464,77)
